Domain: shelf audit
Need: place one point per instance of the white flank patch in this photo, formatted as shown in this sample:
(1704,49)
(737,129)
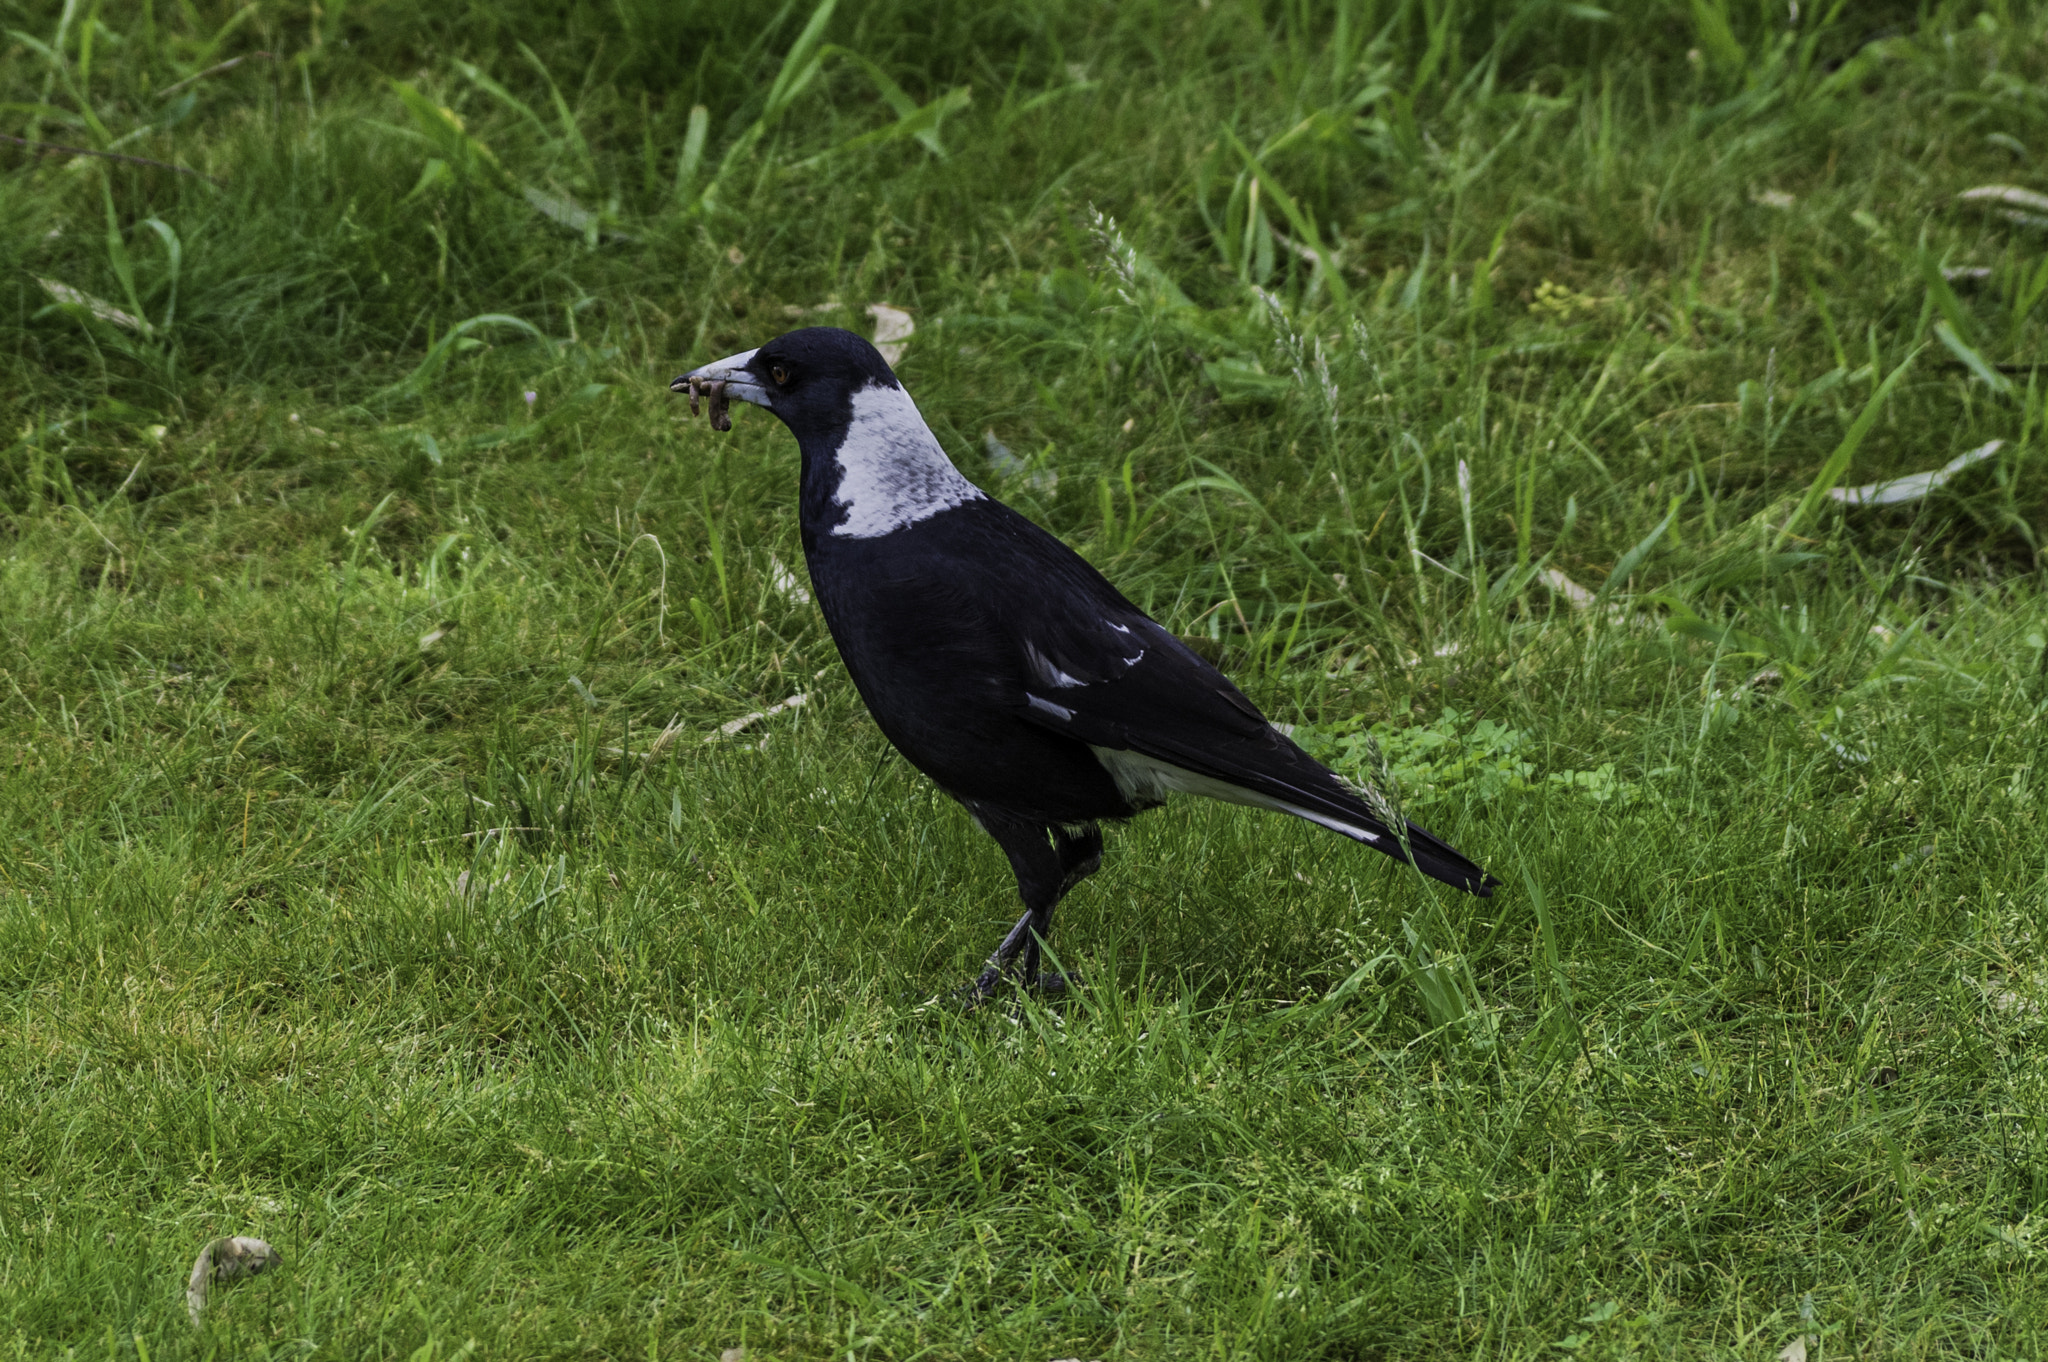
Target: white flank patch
(1148,780)
(892,472)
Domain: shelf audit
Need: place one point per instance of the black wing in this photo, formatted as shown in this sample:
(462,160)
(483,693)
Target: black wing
(1102,671)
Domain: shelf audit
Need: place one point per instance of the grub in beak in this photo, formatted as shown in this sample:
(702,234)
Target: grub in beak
(721,416)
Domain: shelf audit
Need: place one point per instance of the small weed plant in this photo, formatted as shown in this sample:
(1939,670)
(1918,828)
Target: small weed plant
(1458,755)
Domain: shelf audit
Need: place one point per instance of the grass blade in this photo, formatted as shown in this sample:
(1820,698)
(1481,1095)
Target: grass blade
(1633,559)
(437,356)
(800,64)
(1838,462)
(692,154)
(1303,224)
(1972,361)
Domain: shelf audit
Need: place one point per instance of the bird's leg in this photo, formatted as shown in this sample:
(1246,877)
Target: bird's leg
(1032,956)
(1033,953)
(999,964)
(1048,861)
(1080,852)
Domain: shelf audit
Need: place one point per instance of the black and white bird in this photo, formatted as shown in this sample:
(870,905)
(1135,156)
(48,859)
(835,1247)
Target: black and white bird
(998,661)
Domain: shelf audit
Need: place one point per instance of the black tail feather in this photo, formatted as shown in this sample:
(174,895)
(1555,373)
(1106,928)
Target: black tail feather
(1439,860)
(1284,772)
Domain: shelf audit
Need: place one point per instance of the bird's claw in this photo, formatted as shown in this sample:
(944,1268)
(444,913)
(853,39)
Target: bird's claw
(973,995)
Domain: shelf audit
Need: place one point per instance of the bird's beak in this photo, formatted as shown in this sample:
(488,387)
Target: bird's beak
(722,380)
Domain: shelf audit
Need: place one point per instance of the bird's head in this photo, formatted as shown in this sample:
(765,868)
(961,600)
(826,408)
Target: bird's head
(807,378)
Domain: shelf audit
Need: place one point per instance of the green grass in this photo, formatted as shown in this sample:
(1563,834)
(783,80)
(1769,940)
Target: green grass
(352,896)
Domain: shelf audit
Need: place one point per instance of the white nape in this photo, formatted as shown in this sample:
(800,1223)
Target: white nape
(1144,780)
(892,472)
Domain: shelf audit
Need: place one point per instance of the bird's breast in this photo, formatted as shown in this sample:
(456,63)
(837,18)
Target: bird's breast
(923,637)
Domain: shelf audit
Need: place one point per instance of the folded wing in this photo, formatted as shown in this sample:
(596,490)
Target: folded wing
(1161,720)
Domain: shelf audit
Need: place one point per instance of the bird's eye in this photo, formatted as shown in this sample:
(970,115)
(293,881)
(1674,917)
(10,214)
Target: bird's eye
(780,374)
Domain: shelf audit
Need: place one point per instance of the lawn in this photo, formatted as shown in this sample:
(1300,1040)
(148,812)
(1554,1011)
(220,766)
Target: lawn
(390,867)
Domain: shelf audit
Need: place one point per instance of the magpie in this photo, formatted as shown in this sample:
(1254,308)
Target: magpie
(1002,665)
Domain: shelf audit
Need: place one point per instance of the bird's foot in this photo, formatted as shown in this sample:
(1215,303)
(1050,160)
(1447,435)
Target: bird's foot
(1049,984)
(985,986)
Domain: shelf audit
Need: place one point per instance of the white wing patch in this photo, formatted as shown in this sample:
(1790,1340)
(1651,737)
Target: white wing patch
(1144,780)
(1047,671)
(892,472)
(1125,630)
(1060,712)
